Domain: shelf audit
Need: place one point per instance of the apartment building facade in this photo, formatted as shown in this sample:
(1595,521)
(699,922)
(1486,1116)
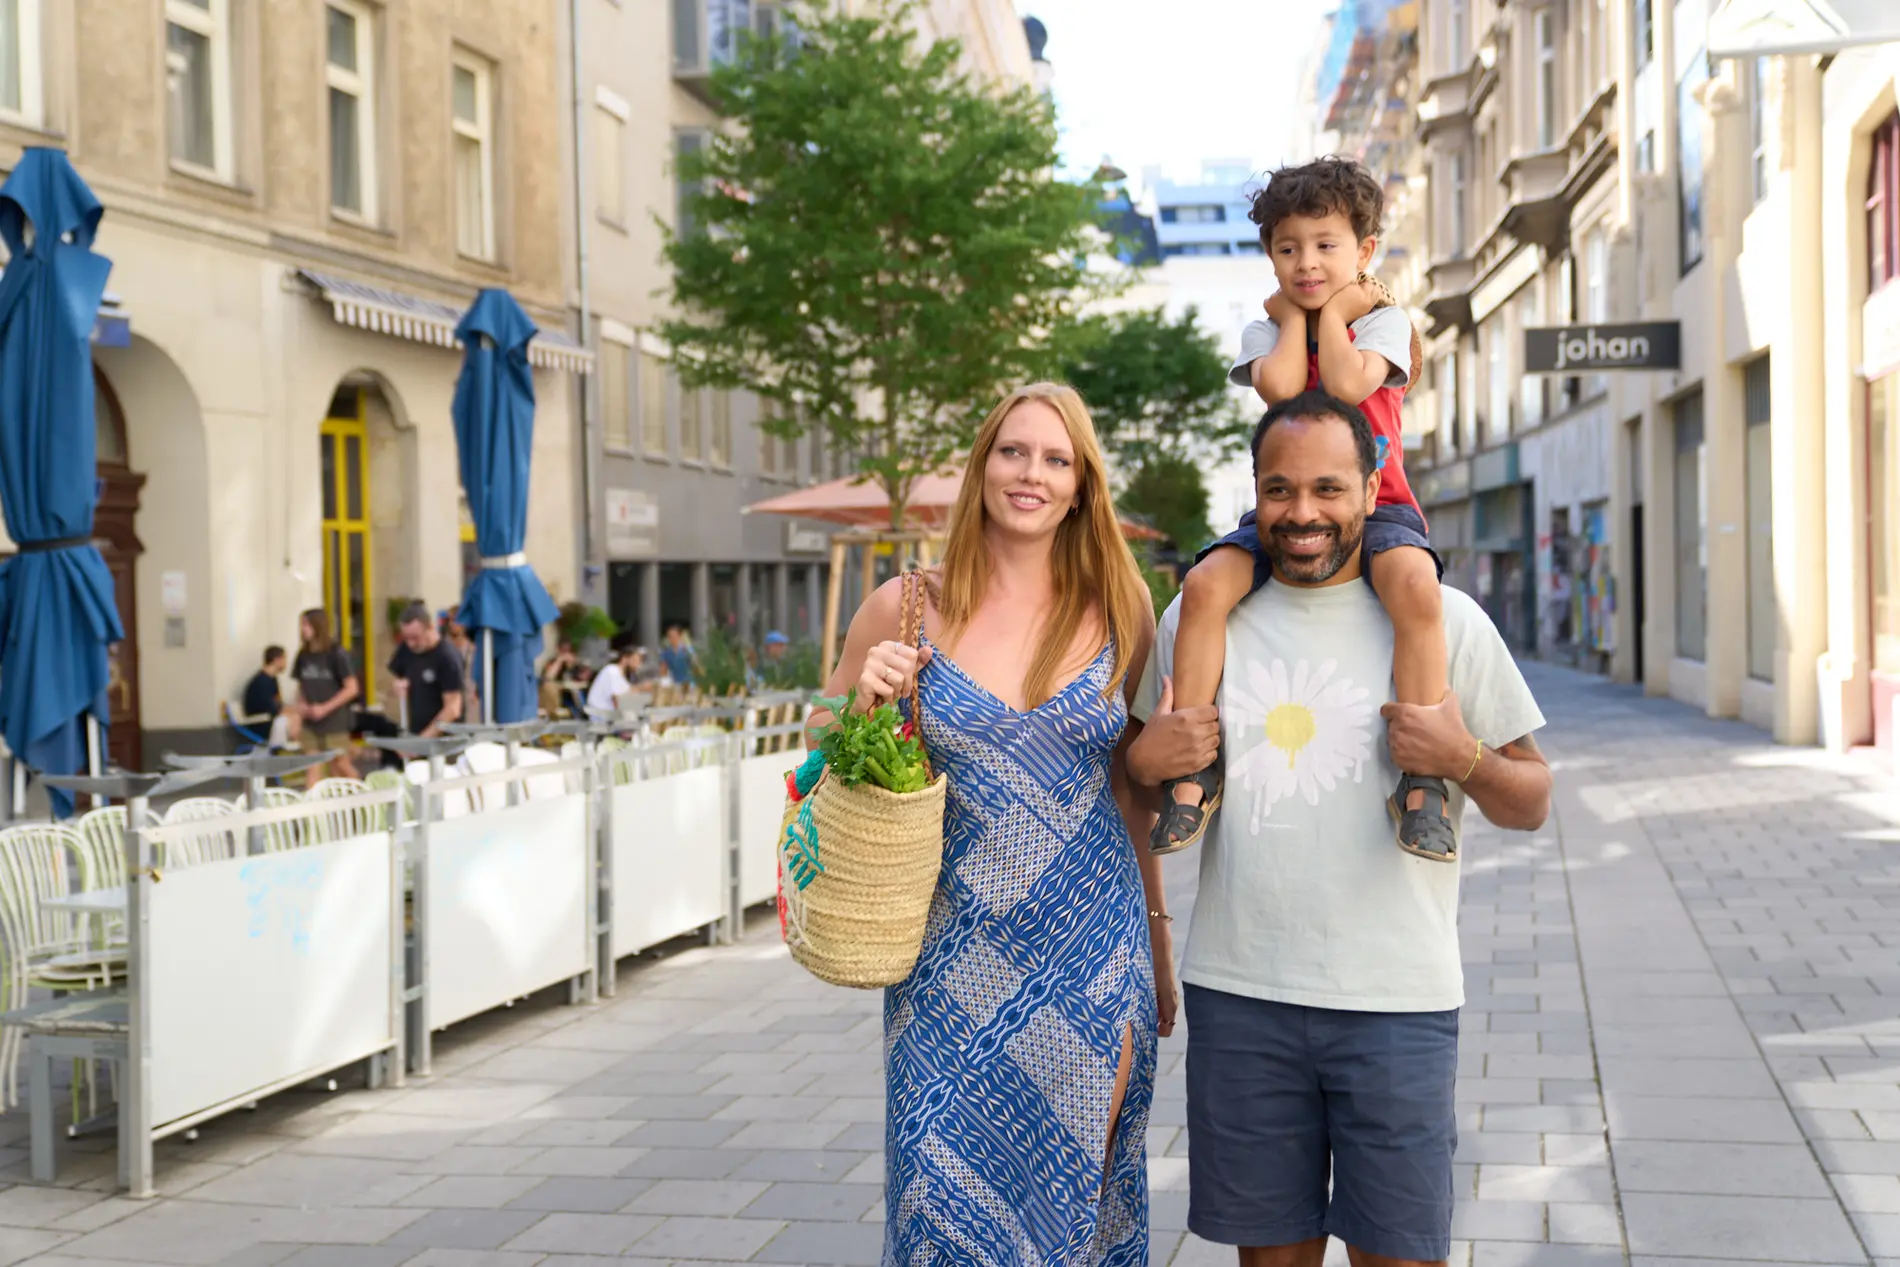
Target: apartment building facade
(668,471)
(1718,529)
(301,197)
(1514,121)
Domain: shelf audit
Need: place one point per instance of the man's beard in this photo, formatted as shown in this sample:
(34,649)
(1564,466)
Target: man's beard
(1320,568)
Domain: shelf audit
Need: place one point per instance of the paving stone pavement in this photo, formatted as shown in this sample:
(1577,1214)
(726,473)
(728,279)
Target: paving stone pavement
(1681,1046)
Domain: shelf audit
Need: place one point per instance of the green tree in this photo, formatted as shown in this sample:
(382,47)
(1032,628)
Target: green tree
(1158,391)
(1169,493)
(1155,385)
(877,242)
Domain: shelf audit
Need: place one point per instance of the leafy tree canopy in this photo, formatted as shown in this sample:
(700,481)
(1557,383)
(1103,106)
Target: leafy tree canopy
(878,244)
(1155,386)
(1169,492)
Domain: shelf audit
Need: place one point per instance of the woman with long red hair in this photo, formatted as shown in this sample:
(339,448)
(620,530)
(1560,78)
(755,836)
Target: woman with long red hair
(1020,1053)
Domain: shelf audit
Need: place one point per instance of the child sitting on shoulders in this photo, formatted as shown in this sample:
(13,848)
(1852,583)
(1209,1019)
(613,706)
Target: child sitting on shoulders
(1330,326)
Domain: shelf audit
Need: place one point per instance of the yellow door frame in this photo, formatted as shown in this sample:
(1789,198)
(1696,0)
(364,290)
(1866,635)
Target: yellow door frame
(339,528)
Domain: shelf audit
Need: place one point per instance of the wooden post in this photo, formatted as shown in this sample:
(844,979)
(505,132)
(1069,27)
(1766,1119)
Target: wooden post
(869,574)
(834,598)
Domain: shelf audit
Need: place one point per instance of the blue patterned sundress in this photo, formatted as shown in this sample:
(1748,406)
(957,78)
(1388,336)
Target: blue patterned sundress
(1000,1051)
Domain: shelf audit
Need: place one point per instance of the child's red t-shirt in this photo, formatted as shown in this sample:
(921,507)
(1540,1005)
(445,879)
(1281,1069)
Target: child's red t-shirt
(1382,412)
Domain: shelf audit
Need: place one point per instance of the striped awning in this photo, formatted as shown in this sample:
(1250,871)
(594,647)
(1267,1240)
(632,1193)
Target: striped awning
(404,316)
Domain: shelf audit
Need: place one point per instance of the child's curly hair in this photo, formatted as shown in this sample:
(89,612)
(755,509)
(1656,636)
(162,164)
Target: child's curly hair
(1322,187)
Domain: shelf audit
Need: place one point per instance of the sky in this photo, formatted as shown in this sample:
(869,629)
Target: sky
(1174,82)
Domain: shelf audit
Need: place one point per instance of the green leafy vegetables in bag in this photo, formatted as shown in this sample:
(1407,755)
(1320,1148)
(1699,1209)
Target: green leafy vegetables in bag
(877,747)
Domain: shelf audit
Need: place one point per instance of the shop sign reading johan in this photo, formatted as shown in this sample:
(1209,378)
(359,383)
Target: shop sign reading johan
(1594,348)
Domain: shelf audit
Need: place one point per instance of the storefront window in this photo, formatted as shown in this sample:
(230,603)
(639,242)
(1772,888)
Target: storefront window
(1763,625)
(1692,598)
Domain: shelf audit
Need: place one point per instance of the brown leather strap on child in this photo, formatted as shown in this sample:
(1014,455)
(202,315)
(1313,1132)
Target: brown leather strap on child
(1382,298)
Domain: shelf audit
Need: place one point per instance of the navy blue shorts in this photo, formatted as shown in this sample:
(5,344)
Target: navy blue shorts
(1282,1096)
(1387,526)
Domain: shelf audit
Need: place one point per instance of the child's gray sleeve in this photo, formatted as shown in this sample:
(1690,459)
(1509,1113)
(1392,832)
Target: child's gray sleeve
(1256,340)
(1387,331)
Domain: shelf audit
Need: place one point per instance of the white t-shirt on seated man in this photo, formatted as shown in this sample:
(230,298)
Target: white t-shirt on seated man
(604,693)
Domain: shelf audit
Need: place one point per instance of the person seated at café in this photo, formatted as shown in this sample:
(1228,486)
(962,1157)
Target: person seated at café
(264,697)
(614,682)
(562,672)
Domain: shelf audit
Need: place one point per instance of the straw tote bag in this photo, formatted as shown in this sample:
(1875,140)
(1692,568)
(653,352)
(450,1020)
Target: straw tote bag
(868,859)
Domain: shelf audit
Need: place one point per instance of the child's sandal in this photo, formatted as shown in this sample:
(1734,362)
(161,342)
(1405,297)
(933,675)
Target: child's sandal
(1425,832)
(1181,826)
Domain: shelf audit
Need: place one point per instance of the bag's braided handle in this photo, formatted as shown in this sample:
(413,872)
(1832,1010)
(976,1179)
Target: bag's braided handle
(911,632)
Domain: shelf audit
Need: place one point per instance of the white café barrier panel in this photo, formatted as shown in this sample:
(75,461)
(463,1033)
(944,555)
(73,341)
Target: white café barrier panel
(761,811)
(506,905)
(265,968)
(669,844)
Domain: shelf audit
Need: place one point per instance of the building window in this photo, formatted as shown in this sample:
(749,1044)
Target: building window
(719,428)
(778,455)
(1692,577)
(1468,417)
(1458,196)
(1645,32)
(611,113)
(198,81)
(1197,248)
(1763,626)
(1533,402)
(351,76)
(1499,423)
(1646,152)
(1883,487)
(1689,160)
(616,392)
(692,422)
(769,443)
(653,391)
(1596,284)
(1883,206)
(1758,127)
(1448,403)
(684,191)
(1458,37)
(1546,24)
(472,110)
(20,100)
(1200,214)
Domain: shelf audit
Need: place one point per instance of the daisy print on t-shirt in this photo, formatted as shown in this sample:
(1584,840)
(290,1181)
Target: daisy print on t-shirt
(1303,731)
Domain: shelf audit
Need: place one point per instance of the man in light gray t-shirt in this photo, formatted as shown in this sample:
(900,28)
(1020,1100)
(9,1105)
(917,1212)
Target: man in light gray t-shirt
(1322,970)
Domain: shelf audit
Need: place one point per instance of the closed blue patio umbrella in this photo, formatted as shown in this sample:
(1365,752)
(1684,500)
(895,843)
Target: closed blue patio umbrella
(505,606)
(57,613)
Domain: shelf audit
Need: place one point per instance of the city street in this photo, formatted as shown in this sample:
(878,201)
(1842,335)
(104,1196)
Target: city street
(1682,1042)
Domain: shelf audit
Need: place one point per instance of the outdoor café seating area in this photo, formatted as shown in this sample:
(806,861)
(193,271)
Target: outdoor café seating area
(191,952)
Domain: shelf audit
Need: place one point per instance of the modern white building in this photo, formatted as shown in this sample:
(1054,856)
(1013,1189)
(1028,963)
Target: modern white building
(1207,216)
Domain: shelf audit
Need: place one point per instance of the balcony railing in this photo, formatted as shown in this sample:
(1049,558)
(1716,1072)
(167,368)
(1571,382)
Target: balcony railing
(707,34)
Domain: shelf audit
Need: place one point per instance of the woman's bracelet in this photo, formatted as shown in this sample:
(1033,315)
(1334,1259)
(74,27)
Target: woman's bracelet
(1476,757)
(1161,915)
